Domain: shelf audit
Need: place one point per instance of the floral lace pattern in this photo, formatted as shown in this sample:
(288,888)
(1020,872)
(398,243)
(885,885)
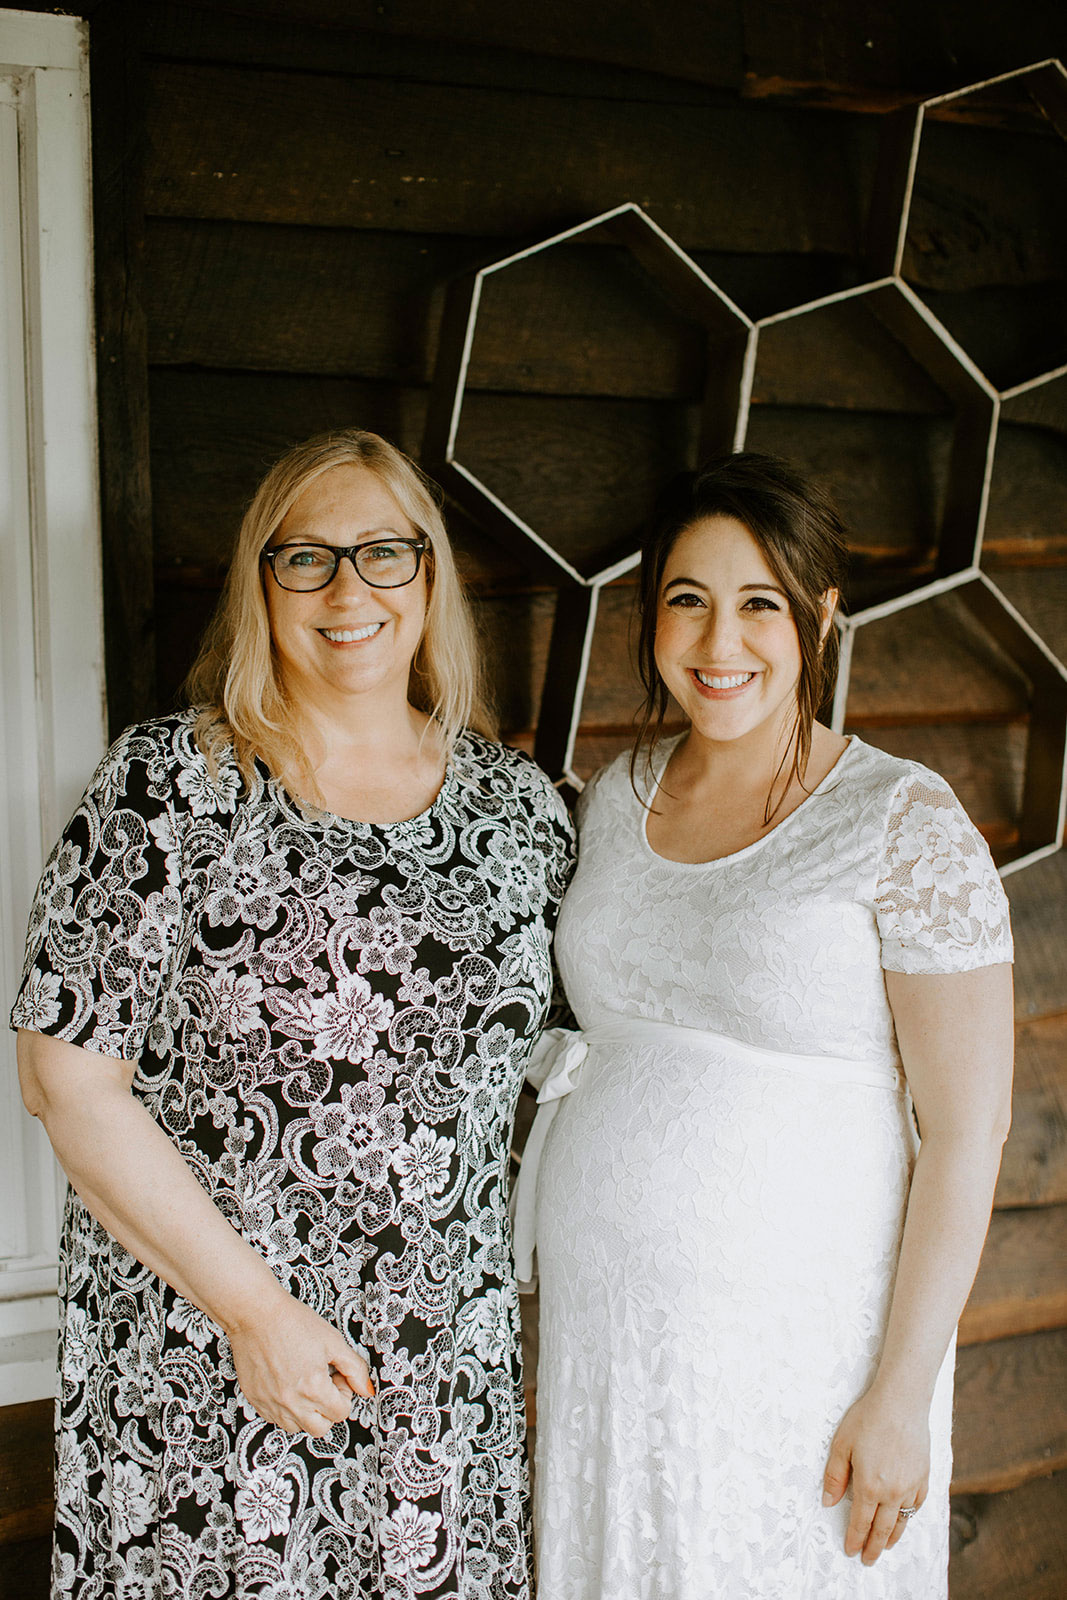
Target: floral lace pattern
(717,1231)
(331,1020)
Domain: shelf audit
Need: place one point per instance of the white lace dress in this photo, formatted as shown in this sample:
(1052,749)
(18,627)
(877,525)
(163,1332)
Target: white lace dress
(720,1194)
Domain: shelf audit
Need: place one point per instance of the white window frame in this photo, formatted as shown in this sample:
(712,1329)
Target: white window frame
(52,707)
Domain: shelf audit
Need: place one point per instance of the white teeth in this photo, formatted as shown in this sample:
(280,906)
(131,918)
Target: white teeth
(726,683)
(349,635)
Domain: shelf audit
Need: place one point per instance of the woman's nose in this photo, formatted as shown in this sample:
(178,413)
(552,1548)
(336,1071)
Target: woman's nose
(346,581)
(722,635)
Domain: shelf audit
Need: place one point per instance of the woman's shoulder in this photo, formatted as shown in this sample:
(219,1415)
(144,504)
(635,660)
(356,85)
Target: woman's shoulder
(885,781)
(504,771)
(161,760)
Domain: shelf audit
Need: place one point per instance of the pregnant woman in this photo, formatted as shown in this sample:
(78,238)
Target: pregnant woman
(284,971)
(784,949)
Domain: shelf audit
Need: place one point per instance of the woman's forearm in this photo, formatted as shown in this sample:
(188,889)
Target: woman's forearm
(947,1218)
(135,1182)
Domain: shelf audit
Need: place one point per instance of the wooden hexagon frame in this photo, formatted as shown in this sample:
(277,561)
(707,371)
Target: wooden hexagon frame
(1044,802)
(724,425)
(974,401)
(723,417)
(901,145)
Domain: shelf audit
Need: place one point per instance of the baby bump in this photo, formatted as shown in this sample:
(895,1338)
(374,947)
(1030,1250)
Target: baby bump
(723,1170)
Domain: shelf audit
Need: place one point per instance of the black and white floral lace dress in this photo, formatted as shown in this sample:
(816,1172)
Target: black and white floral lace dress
(331,1020)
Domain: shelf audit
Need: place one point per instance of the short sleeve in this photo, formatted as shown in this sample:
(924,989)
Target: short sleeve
(939,901)
(107,914)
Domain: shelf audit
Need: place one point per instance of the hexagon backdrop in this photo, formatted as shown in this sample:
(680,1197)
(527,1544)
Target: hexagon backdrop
(733,347)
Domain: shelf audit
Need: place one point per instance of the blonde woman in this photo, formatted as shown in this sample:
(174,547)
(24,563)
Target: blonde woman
(283,973)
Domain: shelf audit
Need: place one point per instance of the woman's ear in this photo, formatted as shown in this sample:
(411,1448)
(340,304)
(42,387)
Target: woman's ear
(828,605)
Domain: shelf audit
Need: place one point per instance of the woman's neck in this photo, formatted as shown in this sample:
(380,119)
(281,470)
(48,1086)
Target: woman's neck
(718,797)
(366,758)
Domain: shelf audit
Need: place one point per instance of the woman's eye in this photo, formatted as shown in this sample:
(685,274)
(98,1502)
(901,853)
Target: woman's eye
(381,553)
(304,559)
(760,602)
(683,601)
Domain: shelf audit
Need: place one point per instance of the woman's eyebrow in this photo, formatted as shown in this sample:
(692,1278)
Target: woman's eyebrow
(364,538)
(695,583)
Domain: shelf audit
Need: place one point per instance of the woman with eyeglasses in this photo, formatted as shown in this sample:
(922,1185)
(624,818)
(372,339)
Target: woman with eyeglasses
(284,969)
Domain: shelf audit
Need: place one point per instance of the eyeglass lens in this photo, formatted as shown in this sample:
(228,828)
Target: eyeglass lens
(311,566)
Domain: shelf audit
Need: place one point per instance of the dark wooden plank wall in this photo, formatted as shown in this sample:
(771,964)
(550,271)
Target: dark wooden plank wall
(275,231)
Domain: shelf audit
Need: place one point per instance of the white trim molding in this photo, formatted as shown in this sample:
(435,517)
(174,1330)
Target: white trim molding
(52,715)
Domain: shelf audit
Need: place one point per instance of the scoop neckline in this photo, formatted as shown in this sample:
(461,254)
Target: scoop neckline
(748,849)
(332,819)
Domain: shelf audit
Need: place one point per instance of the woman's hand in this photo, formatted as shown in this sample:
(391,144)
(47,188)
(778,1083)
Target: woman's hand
(883,1447)
(295,1368)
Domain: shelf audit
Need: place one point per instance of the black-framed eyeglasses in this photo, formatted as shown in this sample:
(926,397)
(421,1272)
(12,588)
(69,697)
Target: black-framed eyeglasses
(381,563)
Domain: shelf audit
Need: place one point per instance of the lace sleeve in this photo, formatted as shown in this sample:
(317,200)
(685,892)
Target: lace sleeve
(939,902)
(105,919)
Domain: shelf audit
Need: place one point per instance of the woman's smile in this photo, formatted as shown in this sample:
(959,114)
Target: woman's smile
(351,635)
(723,684)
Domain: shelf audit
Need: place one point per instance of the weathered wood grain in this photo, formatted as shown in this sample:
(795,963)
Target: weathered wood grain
(578,319)
(687,40)
(26,1483)
(582,472)
(25,1569)
(1040,594)
(1021,1285)
(931,655)
(867,54)
(1027,496)
(986,208)
(841,356)
(1010,1422)
(325,150)
(1039,922)
(1034,1168)
(1013,335)
(366,303)
(194,32)
(1010,1546)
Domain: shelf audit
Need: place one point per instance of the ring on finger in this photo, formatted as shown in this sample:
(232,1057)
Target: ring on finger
(905,1512)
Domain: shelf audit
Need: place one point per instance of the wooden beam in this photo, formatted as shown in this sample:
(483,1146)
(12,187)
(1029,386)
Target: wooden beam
(1011,1546)
(314,149)
(122,369)
(1010,1420)
(689,39)
(863,54)
(1021,1285)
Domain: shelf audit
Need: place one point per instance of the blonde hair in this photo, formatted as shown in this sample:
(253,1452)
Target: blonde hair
(234,680)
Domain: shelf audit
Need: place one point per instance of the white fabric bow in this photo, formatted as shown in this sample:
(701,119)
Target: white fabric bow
(553,1067)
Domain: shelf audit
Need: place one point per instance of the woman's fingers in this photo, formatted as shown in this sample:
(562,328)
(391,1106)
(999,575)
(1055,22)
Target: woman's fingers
(864,1509)
(883,1524)
(835,1478)
(902,1522)
(348,1365)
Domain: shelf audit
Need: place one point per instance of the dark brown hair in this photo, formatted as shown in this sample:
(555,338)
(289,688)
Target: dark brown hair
(802,539)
